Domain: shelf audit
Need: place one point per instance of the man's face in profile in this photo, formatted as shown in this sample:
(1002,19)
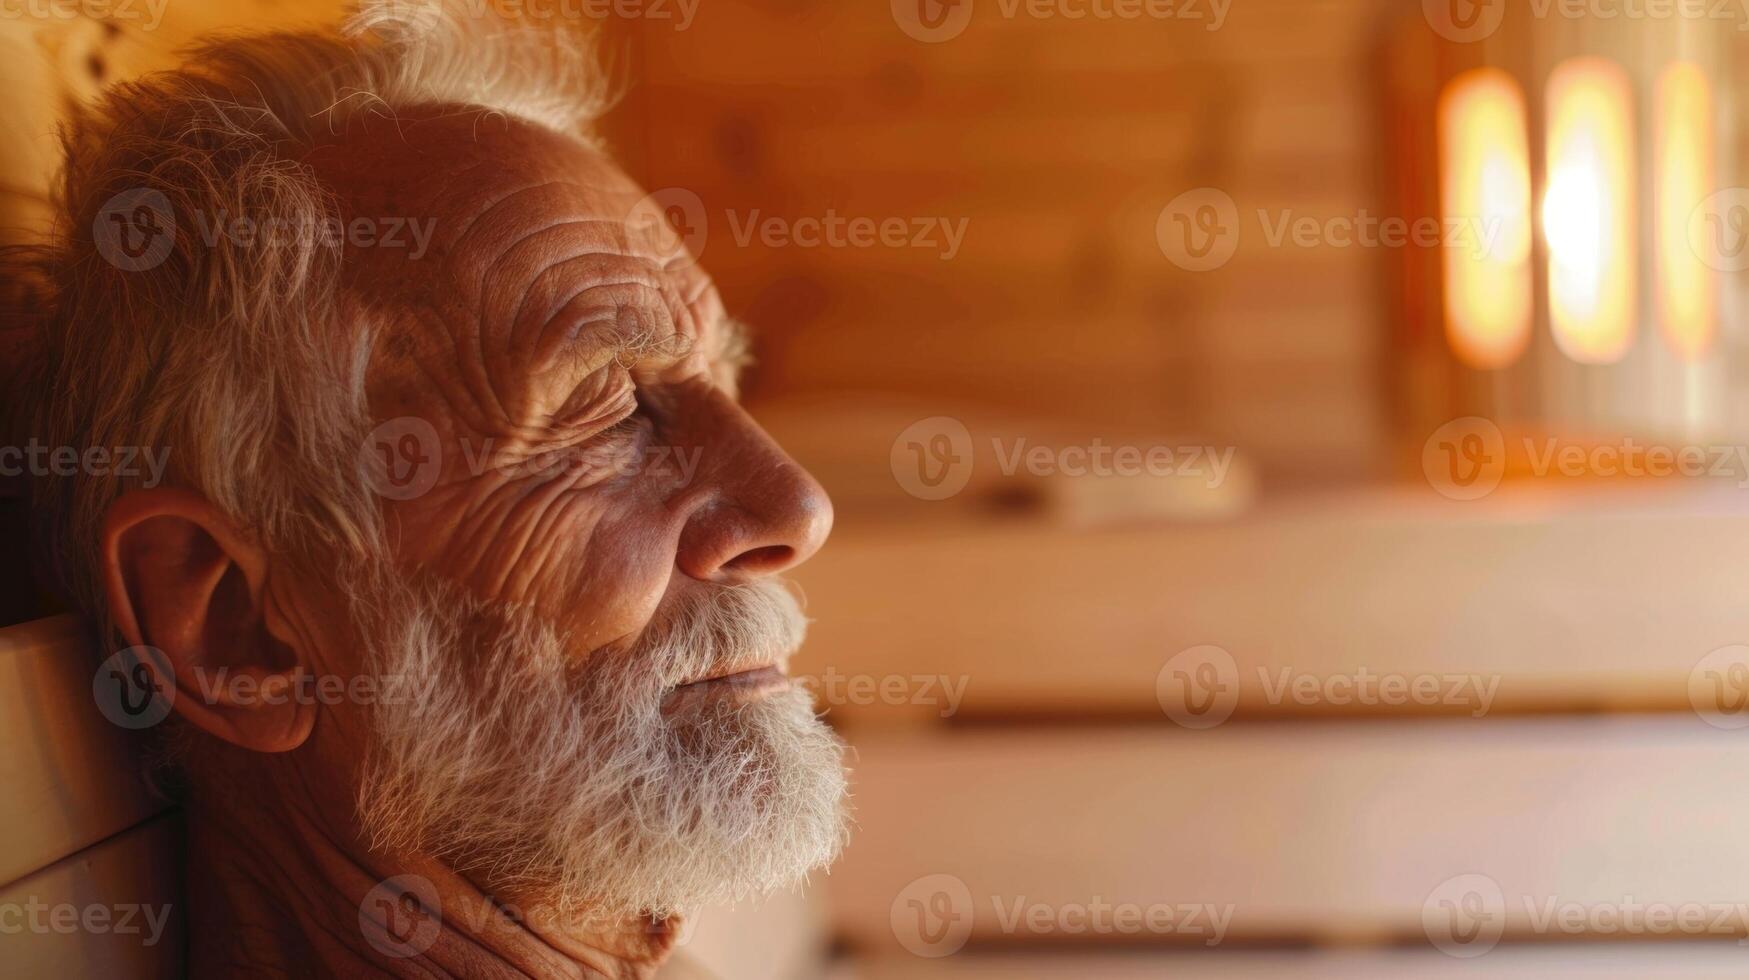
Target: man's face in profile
(466,569)
(477,457)
(582,586)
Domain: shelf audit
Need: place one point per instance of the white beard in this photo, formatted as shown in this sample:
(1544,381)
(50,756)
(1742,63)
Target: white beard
(541,775)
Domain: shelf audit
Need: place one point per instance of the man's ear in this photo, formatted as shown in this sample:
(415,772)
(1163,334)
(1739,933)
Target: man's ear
(182,578)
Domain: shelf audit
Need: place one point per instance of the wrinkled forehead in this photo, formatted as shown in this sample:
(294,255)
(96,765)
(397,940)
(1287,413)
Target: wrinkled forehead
(451,162)
(520,231)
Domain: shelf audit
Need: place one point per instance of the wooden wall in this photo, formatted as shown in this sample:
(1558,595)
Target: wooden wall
(1058,142)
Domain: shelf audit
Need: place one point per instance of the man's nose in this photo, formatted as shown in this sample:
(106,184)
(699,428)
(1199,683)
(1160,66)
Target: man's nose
(761,514)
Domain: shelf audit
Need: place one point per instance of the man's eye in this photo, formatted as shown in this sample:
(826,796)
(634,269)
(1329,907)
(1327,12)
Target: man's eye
(634,422)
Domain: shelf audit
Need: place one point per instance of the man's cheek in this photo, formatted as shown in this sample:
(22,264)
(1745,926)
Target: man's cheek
(627,565)
(515,541)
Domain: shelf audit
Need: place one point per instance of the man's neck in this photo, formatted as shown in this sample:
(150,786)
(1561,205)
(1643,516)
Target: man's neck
(270,893)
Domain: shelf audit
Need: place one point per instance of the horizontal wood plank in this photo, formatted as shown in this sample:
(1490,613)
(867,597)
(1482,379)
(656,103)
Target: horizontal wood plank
(1579,961)
(72,778)
(114,911)
(1541,596)
(1340,833)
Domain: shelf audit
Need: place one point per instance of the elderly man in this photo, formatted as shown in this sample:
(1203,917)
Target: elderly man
(460,582)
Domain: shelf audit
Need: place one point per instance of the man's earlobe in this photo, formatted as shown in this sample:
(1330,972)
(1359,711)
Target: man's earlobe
(182,578)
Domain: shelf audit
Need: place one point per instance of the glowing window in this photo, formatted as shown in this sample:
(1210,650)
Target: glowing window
(1485,183)
(1588,210)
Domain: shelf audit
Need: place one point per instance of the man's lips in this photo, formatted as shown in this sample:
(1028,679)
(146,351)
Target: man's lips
(753,680)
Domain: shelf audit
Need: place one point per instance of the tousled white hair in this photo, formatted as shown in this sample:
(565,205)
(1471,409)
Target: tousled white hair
(243,361)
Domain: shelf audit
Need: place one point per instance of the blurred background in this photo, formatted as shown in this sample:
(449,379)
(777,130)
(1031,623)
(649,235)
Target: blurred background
(1290,459)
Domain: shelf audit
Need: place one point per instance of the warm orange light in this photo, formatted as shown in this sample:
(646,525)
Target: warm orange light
(1484,178)
(1588,210)
(1683,168)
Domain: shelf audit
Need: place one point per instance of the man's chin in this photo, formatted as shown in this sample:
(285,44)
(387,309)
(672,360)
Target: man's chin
(589,788)
(737,797)
(751,801)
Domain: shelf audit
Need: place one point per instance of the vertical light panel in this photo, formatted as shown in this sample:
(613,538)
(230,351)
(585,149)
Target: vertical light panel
(1484,183)
(1682,151)
(1588,210)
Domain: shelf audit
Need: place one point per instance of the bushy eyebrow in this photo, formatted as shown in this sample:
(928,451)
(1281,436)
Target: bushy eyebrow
(733,345)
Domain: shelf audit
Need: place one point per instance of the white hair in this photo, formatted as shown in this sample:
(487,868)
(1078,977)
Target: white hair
(244,362)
